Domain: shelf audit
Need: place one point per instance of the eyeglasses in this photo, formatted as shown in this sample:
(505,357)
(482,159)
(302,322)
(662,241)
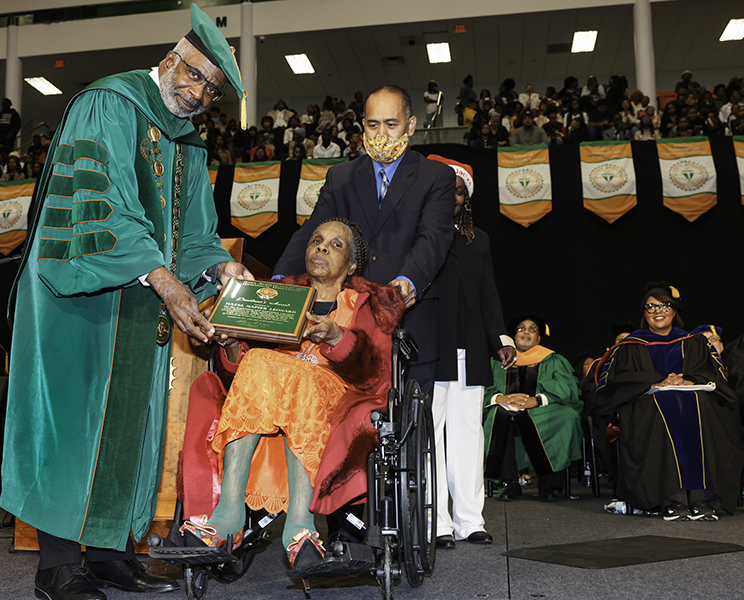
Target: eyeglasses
(663,307)
(461,190)
(197,78)
(530,329)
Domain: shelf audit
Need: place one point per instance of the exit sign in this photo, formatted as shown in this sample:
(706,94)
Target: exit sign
(59,63)
(460,29)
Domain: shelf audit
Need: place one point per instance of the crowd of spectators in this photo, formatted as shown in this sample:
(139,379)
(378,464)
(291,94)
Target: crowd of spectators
(331,131)
(574,114)
(17,165)
(596,112)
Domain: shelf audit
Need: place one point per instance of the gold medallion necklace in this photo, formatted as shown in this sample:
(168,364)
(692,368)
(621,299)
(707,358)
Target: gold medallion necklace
(165,323)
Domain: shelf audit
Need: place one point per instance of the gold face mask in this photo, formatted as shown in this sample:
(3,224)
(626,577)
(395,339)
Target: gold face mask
(384,149)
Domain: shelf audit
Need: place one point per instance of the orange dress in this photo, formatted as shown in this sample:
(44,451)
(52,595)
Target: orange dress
(273,393)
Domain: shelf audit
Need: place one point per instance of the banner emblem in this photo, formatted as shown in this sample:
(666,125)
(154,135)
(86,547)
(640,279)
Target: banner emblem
(688,176)
(525,183)
(608,178)
(254,196)
(311,194)
(10,212)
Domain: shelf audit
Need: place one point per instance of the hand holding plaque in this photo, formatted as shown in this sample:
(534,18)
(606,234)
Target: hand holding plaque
(259,310)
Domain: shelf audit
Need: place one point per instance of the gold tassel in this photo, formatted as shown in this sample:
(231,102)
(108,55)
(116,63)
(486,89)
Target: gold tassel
(547,330)
(243,113)
(243,110)
(675,292)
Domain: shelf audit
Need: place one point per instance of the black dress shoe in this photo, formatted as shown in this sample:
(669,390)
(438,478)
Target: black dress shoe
(130,576)
(480,537)
(65,582)
(512,491)
(446,541)
(548,496)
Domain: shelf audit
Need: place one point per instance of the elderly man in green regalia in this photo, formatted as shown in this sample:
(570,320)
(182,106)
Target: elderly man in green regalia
(122,248)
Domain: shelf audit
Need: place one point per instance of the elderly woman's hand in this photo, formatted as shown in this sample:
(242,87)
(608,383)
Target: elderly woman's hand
(325,330)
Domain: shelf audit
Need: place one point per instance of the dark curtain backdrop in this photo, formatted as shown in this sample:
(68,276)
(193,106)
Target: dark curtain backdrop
(579,272)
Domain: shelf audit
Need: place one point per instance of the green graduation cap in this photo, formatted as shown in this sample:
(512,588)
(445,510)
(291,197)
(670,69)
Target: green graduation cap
(206,38)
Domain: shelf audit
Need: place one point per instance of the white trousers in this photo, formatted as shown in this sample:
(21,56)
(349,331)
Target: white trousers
(459,407)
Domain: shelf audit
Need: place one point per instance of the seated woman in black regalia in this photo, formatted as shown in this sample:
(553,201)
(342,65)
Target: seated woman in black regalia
(680,449)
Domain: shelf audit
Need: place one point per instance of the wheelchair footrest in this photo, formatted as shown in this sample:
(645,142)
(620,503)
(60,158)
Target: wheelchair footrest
(192,556)
(346,558)
(187,555)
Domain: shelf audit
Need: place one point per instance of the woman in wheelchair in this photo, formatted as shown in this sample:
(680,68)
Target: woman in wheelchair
(285,404)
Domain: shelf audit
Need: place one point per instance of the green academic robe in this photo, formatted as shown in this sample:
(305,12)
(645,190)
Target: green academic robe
(87,400)
(558,423)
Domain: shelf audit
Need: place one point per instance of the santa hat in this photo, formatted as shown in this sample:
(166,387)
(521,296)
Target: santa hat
(461,170)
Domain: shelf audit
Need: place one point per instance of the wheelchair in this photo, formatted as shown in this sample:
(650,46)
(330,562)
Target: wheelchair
(400,532)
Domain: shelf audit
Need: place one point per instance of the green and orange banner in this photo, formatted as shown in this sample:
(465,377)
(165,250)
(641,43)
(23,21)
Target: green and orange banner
(688,175)
(15,199)
(254,201)
(212,171)
(608,178)
(312,178)
(525,192)
(739,152)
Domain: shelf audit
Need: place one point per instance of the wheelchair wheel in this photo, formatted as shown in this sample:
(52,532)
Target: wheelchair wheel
(417,485)
(231,572)
(195,578)
(386,577)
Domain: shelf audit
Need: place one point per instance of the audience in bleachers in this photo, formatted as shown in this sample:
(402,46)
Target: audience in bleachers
(13,170)
(593,112)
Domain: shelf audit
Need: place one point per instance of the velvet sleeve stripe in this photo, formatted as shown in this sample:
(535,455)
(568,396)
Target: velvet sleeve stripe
(90,181)
(63,155)
(61,186)
(91,211)
(56,217)
(92,151)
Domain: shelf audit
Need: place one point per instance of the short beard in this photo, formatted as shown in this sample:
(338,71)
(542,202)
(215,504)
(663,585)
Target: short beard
(169,91)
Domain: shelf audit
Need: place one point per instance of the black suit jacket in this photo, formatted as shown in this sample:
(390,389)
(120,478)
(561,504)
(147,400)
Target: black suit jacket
(469,267)
(408,236)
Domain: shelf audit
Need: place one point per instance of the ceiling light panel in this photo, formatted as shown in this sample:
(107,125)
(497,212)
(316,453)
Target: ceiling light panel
(734,31)
(583,41)
(439,53)
(43,85)
(299,63)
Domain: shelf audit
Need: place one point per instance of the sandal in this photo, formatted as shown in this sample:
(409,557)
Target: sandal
(306,550)
(199,528)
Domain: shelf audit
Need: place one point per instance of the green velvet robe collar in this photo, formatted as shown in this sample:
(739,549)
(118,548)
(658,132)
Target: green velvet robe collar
(139,88)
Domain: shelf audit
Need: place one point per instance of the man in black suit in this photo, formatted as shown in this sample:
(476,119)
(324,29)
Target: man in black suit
(406,216)
(471,332)
(404,204)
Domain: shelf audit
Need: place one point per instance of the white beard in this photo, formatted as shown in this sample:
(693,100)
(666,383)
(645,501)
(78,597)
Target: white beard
(169,91)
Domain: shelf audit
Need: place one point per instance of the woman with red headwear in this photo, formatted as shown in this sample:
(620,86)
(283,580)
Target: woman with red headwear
(471,331)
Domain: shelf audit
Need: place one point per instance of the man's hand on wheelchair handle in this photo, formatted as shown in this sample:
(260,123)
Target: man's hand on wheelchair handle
(406,290)
(507,356)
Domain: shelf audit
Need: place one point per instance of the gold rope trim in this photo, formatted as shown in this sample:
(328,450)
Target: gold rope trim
(243,110)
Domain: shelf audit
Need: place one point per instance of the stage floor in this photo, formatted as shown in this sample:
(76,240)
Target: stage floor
(470,571)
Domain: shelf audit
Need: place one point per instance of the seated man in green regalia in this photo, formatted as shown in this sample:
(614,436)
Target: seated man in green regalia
(536,403)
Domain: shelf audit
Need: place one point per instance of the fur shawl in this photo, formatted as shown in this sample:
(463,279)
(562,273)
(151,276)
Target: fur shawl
(385,301)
